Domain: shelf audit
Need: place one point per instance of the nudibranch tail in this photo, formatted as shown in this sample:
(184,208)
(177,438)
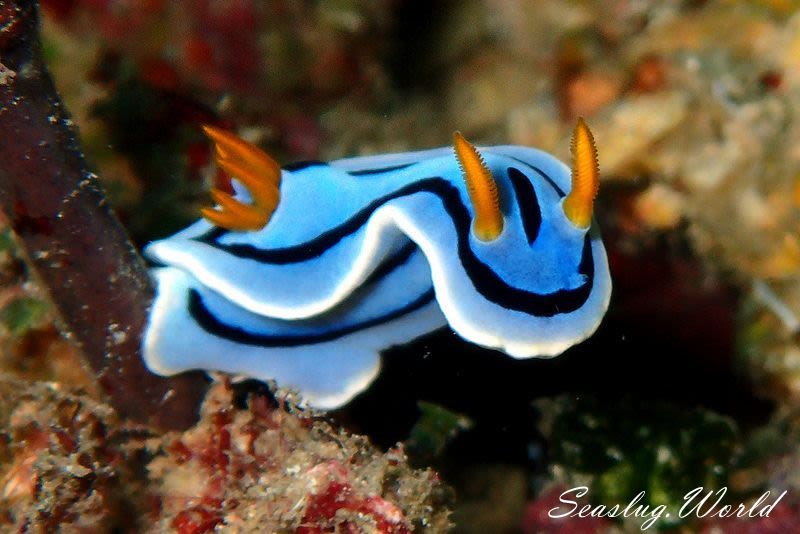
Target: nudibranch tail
(482,188)
(585,177)
(256,170)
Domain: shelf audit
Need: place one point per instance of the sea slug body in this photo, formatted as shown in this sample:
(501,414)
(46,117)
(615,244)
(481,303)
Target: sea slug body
(308,272)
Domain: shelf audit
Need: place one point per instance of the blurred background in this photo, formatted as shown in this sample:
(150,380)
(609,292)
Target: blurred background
(694,377)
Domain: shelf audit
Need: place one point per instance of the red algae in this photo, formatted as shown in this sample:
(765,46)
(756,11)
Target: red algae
(196,520)
(339,507)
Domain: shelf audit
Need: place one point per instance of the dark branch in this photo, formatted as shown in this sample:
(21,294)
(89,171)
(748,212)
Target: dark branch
(74,243)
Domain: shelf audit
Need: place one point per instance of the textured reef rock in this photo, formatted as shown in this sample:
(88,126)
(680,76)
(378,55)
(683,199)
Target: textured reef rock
(70,464)
(66,464)
(266,468)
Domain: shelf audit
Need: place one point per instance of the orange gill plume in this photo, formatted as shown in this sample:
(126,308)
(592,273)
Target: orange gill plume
(482,188)
(254,169)
(585,177)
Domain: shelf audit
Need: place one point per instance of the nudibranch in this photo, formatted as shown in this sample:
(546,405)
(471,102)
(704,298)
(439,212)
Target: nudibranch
(308,272)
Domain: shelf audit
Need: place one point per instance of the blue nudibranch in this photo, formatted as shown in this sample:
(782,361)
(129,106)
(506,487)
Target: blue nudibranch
(308,272)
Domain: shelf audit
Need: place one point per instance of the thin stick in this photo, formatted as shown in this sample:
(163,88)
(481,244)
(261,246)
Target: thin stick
(75,245)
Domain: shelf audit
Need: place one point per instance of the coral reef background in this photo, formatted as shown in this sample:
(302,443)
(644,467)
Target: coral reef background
(693,379)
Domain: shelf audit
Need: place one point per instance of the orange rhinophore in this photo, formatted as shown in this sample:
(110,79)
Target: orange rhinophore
(488,222)
(585,177)
(256,170)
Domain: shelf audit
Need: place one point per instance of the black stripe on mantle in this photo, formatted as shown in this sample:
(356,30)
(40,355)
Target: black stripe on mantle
(211,324)
(528,203)
(381,170)
(487,282)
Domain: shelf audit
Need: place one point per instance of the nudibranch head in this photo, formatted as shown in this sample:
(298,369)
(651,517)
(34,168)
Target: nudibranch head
(482,188)
(585,177)
(254,169)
